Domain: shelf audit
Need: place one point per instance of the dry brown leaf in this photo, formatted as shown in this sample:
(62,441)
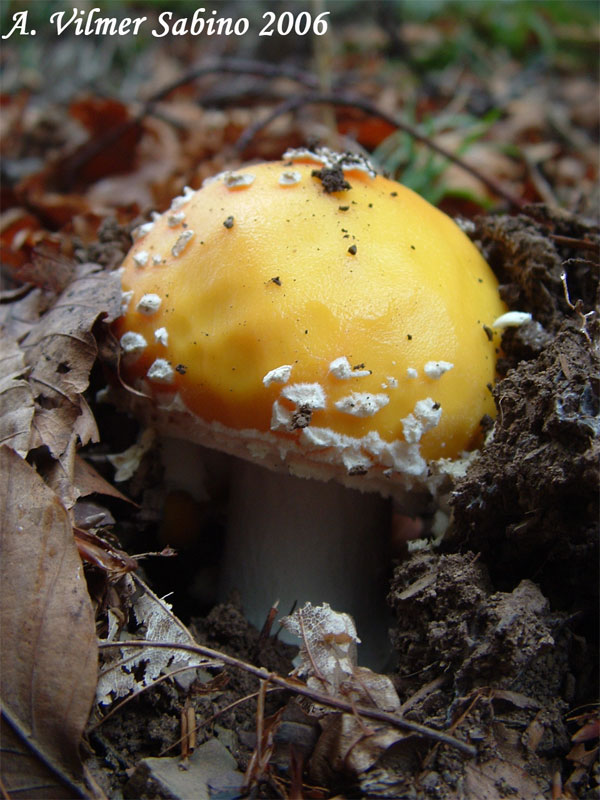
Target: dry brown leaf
(497,779)
(16,400)
(59,474)
(328,658)
(19,316)
(90,162)
(131,670)
(54,427)
(61,349)
(158,157)
(349,744)
(88,481)
(49,651)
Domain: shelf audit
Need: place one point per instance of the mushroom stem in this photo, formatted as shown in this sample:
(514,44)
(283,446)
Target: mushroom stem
(298,539)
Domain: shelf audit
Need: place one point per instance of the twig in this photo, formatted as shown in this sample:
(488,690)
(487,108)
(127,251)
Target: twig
(430,756)
(255,765)
(426,689)
(317,98)
(305,691)
(577,244)
(3,791)
(72,165)
(236,66)
(249,67)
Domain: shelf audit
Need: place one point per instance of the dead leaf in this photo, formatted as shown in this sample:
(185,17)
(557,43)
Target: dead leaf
(54,427)
(44,264)
(589,722)
(515,698)
(349,743)
(19,316)
(111,148)
(328,645)
(49,653)
(100,553)
(61,349)
(158,155)
(90,516)
(328,658)
(532,736)
(16,400)
(125,671)
(59,474)
(497,779)
(581,756)
(89,481)
(20,232)
(24,771)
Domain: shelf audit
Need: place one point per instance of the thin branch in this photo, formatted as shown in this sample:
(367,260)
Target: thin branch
(305,691)
(250,67)
(91,149)
(317,98)
(431,755)
(237,66)
(576,244)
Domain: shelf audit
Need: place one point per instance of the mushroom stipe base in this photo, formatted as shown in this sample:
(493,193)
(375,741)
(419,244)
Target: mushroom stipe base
(295,540)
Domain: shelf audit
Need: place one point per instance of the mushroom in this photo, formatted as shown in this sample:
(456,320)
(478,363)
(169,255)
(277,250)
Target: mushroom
(331,330)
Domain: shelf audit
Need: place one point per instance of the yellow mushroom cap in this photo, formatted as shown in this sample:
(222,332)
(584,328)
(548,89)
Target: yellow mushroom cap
(282,314)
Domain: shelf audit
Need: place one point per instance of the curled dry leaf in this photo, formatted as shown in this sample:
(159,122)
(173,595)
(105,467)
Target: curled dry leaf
(101,554)
(19,316)
(125,671)
(328,658)
(16,400)
(328,645)
(49,653)
(60,350)
(89,481)
(349,743)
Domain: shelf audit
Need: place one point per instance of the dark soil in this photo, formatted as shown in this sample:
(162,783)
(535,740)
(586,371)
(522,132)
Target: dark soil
(529,504)
(502,621)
